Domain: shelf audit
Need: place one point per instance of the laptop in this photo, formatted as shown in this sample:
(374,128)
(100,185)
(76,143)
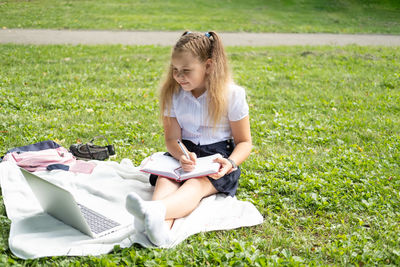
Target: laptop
(61,204)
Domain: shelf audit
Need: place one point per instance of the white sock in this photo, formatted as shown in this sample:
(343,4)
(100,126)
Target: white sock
(154,223)
(149,216)
(135,205)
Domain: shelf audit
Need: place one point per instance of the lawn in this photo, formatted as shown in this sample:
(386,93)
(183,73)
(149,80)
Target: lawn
(333,16)
(324,171)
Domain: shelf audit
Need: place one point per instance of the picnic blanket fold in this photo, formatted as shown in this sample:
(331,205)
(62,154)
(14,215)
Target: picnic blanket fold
(35,234)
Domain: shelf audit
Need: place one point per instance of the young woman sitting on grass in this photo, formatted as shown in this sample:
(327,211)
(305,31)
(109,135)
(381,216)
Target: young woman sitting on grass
(200,105)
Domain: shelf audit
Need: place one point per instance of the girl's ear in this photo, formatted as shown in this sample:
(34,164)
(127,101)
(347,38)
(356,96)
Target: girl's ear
(209,65)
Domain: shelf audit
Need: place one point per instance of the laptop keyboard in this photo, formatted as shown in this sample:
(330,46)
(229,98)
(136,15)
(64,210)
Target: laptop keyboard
(97,222)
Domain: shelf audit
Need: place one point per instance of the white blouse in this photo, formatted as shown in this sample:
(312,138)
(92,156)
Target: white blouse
(191,114)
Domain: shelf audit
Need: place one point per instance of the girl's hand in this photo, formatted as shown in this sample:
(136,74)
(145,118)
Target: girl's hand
(226,168)
(188,164)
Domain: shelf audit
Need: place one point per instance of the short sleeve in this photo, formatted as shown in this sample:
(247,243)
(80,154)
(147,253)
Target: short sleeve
(238,107)
(171,111)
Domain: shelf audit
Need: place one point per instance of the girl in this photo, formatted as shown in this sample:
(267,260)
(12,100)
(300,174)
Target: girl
(201,106)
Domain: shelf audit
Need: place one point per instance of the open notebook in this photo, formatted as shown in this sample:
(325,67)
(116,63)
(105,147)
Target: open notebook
(167,166)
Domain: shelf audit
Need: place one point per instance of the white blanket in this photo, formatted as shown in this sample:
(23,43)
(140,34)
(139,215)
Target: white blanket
(35,234)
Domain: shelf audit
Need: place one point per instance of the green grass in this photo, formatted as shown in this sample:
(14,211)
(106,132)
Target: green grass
(333,16)
(324,171)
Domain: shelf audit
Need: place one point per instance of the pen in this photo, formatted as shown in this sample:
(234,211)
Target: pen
(183,150)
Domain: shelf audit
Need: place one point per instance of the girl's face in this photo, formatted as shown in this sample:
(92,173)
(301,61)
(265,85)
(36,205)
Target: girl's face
(190,72)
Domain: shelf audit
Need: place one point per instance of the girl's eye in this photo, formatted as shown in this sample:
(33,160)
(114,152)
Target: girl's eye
(184,71)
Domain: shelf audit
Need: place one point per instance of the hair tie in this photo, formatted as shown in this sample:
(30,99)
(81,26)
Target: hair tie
(207,34)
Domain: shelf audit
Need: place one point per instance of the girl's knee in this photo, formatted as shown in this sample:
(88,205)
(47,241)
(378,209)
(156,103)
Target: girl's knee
(163,180)
(204,185)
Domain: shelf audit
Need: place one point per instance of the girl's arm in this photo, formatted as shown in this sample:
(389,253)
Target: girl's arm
(242,137)
(172,132)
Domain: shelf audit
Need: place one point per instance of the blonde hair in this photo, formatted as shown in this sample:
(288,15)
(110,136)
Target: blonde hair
(202,46)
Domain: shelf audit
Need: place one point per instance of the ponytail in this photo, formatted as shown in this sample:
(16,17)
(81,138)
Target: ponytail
(218,79)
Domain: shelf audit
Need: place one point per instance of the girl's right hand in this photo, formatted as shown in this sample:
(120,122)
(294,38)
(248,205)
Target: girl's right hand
(188,164)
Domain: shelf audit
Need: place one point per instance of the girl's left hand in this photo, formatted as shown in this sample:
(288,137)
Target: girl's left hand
(226,168)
